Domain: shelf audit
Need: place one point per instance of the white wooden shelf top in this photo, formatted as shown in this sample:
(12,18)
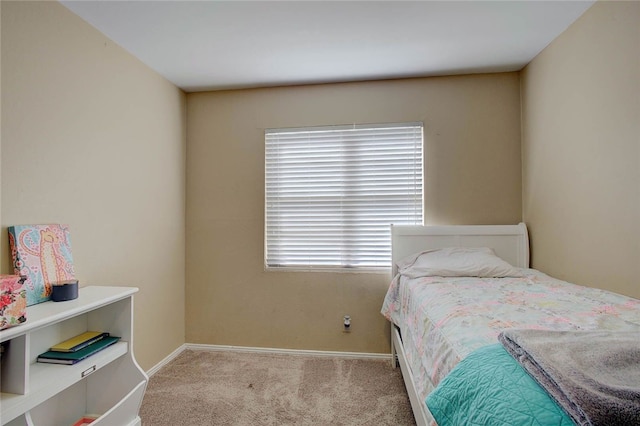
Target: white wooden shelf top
(47,313)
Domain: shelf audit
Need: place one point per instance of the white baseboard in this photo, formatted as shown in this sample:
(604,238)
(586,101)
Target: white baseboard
(153,370)
(247,349)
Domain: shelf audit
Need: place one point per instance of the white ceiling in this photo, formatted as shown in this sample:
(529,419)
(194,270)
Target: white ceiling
(213,45)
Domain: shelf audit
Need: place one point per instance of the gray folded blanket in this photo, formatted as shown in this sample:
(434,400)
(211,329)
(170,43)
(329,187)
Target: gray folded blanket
(593,375)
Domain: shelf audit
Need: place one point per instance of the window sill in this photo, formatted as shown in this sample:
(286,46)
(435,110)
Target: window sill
(332,270)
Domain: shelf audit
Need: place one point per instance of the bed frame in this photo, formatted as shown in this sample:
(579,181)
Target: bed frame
(510,242)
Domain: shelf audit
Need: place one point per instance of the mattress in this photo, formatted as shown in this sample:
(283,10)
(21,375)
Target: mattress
(442,320)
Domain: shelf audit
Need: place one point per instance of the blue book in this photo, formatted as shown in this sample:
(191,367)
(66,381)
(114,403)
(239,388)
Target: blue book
(69,358)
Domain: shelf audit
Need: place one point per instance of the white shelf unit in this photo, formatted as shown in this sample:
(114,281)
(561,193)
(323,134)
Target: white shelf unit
(109,384)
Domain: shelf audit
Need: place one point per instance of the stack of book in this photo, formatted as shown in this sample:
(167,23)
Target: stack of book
(78,348)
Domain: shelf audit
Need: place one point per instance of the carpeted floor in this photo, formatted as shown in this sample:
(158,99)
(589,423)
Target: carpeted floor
(227,388)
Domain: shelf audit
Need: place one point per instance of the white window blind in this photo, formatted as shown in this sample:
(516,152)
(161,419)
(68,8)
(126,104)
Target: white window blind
(332,192)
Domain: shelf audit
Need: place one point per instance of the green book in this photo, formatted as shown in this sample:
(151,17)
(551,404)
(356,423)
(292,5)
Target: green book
(68,358)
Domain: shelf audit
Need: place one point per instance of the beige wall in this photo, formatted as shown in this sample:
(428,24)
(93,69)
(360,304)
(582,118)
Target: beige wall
(473,176)
(93,138)
(581,150)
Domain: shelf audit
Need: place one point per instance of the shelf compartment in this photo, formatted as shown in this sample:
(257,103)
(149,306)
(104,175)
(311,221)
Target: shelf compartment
(22,420)
(113,399)
(14,372)
(47,380)
(121,413)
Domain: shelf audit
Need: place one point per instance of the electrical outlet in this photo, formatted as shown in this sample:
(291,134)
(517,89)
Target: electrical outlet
(346,324)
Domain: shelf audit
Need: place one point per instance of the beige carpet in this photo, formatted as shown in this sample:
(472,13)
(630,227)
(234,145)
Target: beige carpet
(224,388)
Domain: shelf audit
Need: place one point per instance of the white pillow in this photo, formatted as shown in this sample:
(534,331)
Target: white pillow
(457,262)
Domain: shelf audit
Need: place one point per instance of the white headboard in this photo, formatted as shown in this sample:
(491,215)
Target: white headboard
(510,242)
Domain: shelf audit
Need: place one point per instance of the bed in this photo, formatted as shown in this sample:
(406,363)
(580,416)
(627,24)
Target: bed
(437,322)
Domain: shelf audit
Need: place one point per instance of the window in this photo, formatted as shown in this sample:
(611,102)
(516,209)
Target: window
(332,192)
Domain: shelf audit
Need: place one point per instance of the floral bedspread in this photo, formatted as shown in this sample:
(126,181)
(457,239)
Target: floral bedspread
(442,320)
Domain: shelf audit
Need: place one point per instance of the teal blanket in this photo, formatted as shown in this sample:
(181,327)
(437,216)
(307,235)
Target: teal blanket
(489,387)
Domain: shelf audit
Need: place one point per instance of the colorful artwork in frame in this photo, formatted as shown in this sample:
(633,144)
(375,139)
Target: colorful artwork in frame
(13,301)
(41,253)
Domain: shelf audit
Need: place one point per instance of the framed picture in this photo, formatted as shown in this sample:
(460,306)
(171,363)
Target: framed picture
(42,254)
